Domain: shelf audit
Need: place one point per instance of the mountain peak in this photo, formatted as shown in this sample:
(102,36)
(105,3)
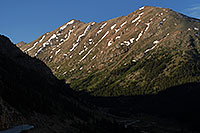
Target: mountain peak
(20,44)
(77,50)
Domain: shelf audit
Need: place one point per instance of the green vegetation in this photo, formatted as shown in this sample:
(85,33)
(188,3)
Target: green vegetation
(147,76)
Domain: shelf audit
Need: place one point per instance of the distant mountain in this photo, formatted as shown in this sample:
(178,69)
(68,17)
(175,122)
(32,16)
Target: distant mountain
(20,44)
(144,52)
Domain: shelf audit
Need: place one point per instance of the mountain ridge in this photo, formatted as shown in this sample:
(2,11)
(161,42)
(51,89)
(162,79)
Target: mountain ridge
(90,53)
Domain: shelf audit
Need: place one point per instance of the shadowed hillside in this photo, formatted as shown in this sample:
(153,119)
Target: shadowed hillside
(178,102)
(30,94)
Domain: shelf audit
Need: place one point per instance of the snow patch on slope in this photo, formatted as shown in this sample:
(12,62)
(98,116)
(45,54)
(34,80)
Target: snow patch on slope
(138,22)
(116,30)
(45,44)
(39,50)
(118,37)
(156,43)
(74,46)
(112,27)
(110,42)
(132,39)
(103,25)
(82,35)
(95,45)
(195,28)
(123,24)
(68,35)
(139,36)
(101,28)
(127,43)
(52,37)
(148,24)
(57,52)
(69,23)
(141,8)
(136,19)
(32,47)
(93,57)
(80,53)
(42,38)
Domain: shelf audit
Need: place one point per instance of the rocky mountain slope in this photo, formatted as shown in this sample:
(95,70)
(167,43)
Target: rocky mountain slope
(20,44)
(144,52)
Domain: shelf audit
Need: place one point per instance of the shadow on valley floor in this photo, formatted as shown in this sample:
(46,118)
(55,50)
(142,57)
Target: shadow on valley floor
(179,102)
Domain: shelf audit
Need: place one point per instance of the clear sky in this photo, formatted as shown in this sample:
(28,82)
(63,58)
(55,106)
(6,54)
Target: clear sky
(26,20)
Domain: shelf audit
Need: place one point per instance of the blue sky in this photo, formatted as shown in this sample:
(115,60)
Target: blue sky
(26,20)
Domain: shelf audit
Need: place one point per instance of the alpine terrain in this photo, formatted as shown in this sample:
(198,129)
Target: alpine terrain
(135,73)
(144,52)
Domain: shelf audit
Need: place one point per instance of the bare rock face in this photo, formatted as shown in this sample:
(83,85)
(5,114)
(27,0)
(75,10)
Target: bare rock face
(20,44)
(98,57)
